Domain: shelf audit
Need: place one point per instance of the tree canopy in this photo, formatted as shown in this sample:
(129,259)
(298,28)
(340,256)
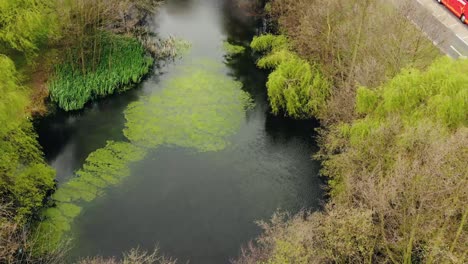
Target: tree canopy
(25,24)
(295,86)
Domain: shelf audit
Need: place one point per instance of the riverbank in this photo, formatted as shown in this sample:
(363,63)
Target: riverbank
(32,53)
(397,179)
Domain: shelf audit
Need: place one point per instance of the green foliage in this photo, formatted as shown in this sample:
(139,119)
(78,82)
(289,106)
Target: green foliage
(367,100)
(232,49)
(288,252)
(24,178)
(198,110)
(295,85)
(122,62)
(30,187)
(103,168)
(26,24)
(13,101)
(440,93)
(269,42)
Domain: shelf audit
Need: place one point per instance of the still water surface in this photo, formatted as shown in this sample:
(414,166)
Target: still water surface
(196,206)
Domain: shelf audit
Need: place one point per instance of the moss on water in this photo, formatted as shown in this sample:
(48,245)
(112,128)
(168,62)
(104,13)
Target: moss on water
(198,110)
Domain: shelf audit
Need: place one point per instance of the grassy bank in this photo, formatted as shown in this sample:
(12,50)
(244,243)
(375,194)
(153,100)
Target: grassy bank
(122,62)
(393,139)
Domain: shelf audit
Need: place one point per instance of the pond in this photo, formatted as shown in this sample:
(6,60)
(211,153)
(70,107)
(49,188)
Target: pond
(208,157)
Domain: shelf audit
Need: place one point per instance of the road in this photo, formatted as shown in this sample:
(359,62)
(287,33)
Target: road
(439,24)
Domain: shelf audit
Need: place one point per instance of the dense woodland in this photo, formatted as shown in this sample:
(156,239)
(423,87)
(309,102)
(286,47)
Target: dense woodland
(393,141)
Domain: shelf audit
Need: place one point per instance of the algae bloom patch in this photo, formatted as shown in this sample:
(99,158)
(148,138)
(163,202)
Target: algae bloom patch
(199,109)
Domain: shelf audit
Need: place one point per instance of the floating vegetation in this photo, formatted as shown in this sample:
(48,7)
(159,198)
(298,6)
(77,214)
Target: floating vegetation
(123,61)
(232,49)
(104,167)
(198,110)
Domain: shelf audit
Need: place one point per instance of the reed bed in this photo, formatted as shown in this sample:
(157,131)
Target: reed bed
(122,61)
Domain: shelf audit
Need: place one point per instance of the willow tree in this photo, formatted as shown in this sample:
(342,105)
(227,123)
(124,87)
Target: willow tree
(26,24)
(24,177)
(295,86)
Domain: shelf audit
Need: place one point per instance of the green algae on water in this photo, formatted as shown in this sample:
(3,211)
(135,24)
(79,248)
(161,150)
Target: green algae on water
(104,167)
(198,110)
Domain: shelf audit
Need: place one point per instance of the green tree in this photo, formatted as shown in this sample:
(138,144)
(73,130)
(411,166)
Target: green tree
(26,24)
(295,86)
(24,177)
(13,101)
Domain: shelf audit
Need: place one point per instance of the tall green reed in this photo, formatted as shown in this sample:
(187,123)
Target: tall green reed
(123,61)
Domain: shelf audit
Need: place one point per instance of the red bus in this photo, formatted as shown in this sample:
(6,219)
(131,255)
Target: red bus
(458,7)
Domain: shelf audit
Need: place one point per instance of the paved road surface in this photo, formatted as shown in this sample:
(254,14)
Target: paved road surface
(441,26)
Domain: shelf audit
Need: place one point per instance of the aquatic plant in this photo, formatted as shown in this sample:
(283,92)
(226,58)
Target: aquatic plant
(197,110)
(122,62)
(295,86)
(103,168)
